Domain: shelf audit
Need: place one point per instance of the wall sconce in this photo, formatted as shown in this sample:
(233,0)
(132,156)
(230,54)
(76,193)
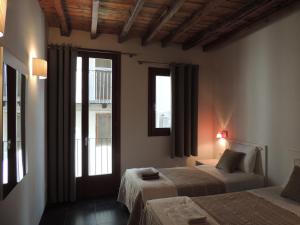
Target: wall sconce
(39,68)
(222,134)
(3,6)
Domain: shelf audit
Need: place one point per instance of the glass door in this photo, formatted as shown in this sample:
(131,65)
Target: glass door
(97,158)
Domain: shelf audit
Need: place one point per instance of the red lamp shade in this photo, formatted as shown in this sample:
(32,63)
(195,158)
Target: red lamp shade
(222,134)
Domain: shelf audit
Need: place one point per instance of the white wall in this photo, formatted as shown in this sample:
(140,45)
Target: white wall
(25,38)
(257,94)
(137,149)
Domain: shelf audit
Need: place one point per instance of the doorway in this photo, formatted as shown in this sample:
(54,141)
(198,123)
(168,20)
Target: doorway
(97,129)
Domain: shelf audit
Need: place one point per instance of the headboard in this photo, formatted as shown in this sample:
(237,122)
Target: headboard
(261,164)
(293,158)
(297,162)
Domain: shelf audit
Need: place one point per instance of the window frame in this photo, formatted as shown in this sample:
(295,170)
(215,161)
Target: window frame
(153,72)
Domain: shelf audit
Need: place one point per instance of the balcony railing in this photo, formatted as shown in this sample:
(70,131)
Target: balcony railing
(99,156)
(100,86)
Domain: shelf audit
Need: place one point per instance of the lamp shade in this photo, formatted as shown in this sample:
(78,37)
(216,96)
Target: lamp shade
(39,68)
(3,6)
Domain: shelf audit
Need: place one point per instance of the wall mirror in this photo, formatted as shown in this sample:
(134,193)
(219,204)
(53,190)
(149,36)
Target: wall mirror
(12,117)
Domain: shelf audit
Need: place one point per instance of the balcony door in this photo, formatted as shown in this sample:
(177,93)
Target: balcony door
(97,150)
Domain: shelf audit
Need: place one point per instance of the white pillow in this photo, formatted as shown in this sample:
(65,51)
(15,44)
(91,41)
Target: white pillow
(247,164)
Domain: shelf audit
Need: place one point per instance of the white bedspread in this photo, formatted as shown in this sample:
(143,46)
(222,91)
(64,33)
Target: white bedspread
(176,210)
(272,194)
(131,180)
(237,181)
(155,210)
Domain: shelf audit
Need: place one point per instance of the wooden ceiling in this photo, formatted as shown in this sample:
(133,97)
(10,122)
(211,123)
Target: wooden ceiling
(185,22)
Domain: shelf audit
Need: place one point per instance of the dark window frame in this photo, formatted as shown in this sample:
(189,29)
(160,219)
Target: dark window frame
(152,73)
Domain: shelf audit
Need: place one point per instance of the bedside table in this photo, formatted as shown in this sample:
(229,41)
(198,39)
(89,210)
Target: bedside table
(210,162)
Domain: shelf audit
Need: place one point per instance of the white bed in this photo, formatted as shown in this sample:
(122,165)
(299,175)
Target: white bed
(237,181)
(164,187)
(164,211)
(135,192)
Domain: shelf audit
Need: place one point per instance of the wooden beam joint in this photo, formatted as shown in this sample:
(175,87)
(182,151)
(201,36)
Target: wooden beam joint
(95,18)
(236,22)
(133,14)
(60,8)
(164,18)
(191,21)
(276,12)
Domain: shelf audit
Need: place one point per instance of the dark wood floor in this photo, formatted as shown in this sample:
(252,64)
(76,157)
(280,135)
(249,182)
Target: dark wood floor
(105,211)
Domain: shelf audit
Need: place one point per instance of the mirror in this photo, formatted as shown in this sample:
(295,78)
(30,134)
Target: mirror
(13,152)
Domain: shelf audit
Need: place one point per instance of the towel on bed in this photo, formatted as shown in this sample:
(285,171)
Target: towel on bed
(197,221)
(149,174)
(185,213)
(154,177)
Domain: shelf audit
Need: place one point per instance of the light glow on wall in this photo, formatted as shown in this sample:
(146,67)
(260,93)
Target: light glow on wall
(3,7)
(222,134)
(222,143)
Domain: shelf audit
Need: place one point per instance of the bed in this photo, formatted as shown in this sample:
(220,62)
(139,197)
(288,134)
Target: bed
(256,207)
(194,181)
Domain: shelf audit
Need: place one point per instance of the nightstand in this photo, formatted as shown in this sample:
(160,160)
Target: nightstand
(210,162)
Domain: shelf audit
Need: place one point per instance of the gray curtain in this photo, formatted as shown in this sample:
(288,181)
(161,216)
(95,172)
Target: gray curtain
(184,130)
(60,123)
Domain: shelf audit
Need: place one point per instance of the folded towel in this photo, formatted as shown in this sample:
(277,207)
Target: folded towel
(149,172)
(152,177)
(197,221)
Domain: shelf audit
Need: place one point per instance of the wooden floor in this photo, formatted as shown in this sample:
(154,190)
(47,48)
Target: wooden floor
(104,211)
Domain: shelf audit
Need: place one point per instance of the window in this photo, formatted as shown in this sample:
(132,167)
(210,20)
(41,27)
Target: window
(159,115)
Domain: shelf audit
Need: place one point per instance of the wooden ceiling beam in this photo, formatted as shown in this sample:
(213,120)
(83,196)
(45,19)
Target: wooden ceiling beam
(133,14)
(65,27)
(190,22)
(165,17)
(95,17)
(235,19)
(277,11)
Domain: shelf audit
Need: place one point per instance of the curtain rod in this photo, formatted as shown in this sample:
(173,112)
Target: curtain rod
(151,62)
(130,54)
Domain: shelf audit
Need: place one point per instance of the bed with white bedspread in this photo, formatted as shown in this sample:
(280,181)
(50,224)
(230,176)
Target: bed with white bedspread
(256,207)
(189,181)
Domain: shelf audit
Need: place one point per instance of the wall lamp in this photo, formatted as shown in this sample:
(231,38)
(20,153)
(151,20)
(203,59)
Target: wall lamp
(222,134)
(39,68)
(3,7)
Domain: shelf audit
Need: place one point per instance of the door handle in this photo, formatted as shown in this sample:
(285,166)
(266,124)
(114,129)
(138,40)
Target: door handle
(86,142)
(8,144)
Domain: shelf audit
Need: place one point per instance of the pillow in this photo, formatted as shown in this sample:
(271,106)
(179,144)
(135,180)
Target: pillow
(247,164)
(292,189)
(230,160)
